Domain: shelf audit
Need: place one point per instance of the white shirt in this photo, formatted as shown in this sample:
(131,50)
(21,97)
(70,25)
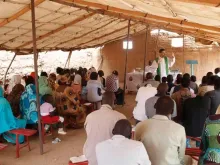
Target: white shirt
(151,69)
(150,111)
(99,125)
(164,140)
(121,151)
(144,93)
(92,90)
(45,109)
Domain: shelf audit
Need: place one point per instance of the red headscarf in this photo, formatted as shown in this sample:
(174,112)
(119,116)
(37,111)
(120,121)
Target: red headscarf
(32,74)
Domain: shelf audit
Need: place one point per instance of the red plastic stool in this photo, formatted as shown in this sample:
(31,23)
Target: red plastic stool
(80,163)
(43,131)
(2,146)
(25,132)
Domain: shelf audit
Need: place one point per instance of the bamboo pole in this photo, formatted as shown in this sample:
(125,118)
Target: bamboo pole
(36,73)
(20,13)
(143,15)
(6,72)
(126,61)
(81,18)
(145,52)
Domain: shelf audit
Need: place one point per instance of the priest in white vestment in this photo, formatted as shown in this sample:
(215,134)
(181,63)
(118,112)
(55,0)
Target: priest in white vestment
(163,63)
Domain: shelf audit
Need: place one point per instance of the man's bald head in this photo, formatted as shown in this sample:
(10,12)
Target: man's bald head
(164,106)
(162,89)
(123,127)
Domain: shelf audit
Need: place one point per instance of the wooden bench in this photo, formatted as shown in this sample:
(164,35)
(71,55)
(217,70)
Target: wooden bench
(2,146)
(43,130)
(80,163)
(25,132)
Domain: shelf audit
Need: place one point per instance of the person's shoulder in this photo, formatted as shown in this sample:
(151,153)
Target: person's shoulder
(209,93)
(142,124)
(93,114)
(134,144)
(153,98)
(176,126)
(120,115)
(102,145)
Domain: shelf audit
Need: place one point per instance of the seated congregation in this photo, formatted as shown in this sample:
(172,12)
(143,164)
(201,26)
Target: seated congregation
(167,114)
(63,98)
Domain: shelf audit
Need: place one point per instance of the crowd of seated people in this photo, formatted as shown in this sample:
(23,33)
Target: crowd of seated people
(166,116)
(62,97)
(167,111)
(163,131)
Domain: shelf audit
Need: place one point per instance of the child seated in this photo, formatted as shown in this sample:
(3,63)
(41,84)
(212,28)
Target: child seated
(47,115)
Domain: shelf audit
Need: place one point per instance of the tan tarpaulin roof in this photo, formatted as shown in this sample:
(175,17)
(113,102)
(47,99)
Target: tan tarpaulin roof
(77,24)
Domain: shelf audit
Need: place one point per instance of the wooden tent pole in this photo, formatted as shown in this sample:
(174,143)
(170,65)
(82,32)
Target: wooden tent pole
(136,14)
(8,69)
(184,53)
(126,61)
(68,59)
(158,35)
(81,18)
(20,13)
(36,72)
(145,52)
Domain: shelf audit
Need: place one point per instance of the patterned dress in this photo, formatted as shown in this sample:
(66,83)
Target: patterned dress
(211,141)
(28,105)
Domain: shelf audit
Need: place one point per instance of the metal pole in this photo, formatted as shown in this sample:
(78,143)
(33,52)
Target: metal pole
(126,60)
(9,68)
(145,53)
(36,72)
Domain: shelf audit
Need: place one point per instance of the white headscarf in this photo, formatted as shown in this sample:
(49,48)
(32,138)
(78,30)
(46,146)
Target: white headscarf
(16,79)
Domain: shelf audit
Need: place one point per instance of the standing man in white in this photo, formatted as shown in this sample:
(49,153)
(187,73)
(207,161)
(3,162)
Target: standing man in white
(120,150)
(163,63)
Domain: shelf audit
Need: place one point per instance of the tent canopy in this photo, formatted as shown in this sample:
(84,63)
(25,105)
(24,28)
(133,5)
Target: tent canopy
(77,24)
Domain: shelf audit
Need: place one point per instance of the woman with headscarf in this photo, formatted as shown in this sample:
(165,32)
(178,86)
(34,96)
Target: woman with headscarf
(16,79)
(44,87)
(8,121)
(28,105)
(14,99)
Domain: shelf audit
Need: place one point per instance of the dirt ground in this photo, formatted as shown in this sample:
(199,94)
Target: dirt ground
(57,154)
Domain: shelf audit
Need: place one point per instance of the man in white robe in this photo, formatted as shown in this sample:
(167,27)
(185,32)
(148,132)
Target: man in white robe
(163,63)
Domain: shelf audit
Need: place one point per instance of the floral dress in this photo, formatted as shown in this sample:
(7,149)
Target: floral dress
(69,106)
(211,141)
